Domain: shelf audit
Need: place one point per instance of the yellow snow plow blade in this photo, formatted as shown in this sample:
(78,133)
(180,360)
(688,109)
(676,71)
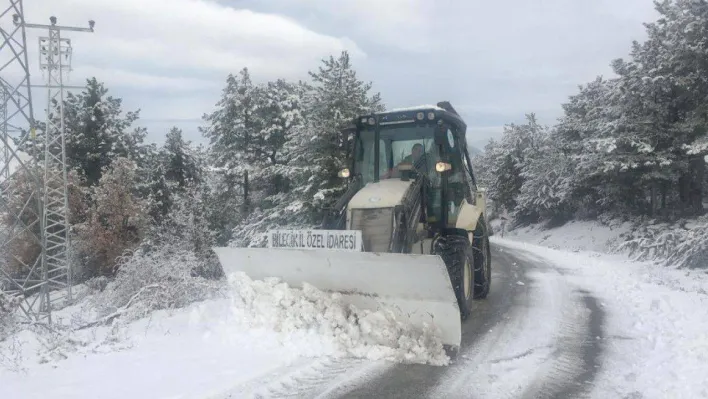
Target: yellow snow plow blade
(416,288)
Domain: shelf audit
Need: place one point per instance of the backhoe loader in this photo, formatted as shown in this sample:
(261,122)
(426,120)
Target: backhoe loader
(410,231)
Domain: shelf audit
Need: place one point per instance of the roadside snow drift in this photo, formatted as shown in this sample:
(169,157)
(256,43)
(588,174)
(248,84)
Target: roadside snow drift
(655,338)
(204,349)
(274,306)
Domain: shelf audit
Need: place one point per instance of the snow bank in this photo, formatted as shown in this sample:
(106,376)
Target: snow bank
(199,349)
(683,244)
(346,331)
(573,236)
(656,331)
(169,354)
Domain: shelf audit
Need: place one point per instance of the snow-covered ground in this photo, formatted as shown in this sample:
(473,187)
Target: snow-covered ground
(572,236)
(264,329)
(656,330)
(266,338)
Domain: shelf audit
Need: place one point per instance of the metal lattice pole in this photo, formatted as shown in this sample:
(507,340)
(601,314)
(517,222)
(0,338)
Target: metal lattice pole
(23,271)
(5,132)
(55,60)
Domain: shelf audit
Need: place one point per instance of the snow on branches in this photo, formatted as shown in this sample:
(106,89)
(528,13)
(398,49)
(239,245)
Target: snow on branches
(274,146)
(165,277)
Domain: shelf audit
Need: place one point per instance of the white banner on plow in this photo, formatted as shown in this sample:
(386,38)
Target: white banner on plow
(335,240)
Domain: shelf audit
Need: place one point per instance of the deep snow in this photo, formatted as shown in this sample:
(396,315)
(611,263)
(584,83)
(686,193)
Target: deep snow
(270,338)
(206,349)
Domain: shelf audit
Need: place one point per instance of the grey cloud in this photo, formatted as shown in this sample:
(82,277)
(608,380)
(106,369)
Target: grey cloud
(495,60)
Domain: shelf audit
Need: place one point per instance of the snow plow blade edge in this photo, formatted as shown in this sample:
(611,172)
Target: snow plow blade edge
(416,287)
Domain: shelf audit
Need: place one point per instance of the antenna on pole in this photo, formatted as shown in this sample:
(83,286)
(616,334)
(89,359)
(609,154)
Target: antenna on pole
(55,59)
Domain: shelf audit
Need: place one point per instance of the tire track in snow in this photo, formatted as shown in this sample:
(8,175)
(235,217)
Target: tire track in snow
(306,378)
(504,362)
(551,348)
(318,382)
(577,356)
(575,361)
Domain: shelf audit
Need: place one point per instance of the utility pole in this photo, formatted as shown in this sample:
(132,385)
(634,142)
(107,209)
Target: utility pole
(54,60)
(23,272)
(4,131)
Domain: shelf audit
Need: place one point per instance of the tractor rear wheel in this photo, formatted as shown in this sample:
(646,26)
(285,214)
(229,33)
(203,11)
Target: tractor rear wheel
(456,252)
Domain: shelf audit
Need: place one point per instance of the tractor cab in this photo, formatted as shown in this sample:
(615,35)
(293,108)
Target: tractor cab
(426,143)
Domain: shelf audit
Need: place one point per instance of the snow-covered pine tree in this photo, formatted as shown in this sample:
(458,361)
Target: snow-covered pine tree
(283,172)
(546,193)
(504,161)
(586,134)
(159,199)
(668,72)
(230,130)
(180,165)
(480,165)
(336,97)
(97,131)
(178,196)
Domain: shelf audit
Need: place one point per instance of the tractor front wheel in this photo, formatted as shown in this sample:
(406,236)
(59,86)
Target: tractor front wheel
(456,252)
(482,265)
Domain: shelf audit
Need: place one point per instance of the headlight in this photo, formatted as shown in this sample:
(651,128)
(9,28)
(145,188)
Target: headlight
(344,173)
(442,166)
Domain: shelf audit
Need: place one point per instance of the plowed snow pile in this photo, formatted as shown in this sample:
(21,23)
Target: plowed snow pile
(295,314)
(204,349)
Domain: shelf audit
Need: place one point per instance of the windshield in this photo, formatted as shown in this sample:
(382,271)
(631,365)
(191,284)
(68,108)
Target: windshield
(397,144)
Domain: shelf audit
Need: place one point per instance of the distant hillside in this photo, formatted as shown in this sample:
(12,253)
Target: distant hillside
(474,150)
(475,147)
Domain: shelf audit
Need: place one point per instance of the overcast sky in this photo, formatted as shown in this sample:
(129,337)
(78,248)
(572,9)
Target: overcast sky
(495,60)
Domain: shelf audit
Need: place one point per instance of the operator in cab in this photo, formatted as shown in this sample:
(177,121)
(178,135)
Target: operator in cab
(417,158)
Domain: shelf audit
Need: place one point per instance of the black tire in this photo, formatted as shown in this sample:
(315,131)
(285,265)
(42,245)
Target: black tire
(456,252)
(482,264)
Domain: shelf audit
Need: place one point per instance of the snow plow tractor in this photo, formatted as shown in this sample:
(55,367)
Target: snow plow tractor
(409,234)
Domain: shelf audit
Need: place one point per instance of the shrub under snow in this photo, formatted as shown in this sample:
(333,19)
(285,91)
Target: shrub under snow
(163,278)
(681,244)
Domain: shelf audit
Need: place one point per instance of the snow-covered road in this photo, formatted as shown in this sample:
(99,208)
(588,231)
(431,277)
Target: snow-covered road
(568,325)
(556,324)
(535,336)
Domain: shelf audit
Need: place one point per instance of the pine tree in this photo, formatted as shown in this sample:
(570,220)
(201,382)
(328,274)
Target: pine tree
(96,131)
(282,174)
(180,165)
(231,130)
(160,195)
(505,160)
(336,96)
